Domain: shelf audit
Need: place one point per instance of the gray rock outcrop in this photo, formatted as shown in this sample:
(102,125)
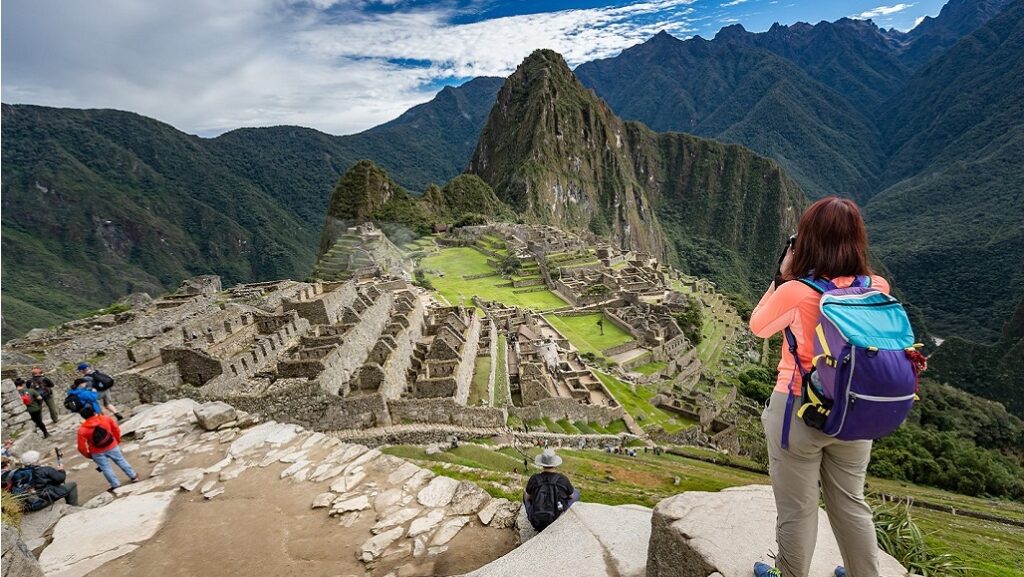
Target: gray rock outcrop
(17,560)
(695,534)
(589,539)
(212,415)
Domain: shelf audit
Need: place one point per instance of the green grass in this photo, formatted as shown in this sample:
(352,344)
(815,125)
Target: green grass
(650,368)
(988,548)
(501,374)
(637,404)
(478,388)
(583,332)
(457,262)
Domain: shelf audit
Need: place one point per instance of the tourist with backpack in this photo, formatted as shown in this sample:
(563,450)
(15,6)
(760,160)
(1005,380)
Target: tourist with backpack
(99,439)
(848,375)
(38,487)
(80,395)
(44,385)
(548,493)
(33,404)
(101,383)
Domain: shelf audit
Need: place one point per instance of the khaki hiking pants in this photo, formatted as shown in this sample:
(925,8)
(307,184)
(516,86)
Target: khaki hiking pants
(840,467)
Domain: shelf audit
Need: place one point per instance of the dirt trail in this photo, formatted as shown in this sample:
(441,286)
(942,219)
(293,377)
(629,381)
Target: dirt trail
(264,526)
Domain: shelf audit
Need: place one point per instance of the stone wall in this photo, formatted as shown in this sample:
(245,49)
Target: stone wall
(396,367)
(341,364)
(15,415)
(319,304)
(569,409)
(612,351)
(195,367)
(445,411)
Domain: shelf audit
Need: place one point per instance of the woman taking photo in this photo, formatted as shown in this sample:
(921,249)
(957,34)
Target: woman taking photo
(831,244)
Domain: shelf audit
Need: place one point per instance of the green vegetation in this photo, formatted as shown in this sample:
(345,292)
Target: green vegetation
(501,373)
(993,371)
(584,333)
(10,509)
(958,442)
(446,271)
(650,368)
(756,383)
(691,320)
(478,388)
(900,537)
(646,479)
(637,404)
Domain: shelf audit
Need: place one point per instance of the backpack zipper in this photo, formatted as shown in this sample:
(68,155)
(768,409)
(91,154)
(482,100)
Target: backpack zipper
(879,399)
(843,304)
(853,359)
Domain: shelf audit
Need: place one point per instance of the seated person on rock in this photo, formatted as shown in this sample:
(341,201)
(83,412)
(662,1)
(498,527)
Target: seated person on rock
(38,487)
(548,493)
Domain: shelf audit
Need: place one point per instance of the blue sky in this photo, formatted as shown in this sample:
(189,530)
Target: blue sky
(340,66)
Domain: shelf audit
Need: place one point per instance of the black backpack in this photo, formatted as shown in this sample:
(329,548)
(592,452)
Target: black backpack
(101,381)
(101,437)
(547,504)
(22,484)
(73,404)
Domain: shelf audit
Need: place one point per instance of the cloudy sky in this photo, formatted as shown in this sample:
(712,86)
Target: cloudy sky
(341,66)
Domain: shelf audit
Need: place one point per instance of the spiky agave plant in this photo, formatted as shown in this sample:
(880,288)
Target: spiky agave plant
(900,537)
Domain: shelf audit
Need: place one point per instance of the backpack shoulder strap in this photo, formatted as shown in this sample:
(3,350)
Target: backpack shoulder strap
(820,285)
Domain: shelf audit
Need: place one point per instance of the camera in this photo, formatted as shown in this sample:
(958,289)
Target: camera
(790,245)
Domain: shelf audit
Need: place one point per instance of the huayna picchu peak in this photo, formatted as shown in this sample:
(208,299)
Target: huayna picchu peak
(557,154)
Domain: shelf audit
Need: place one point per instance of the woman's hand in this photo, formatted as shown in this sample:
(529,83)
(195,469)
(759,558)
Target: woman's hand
(787,264)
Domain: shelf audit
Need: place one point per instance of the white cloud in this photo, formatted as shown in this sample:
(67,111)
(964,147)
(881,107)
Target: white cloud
(207,67)
(882,11)
(917,21)
(733,3)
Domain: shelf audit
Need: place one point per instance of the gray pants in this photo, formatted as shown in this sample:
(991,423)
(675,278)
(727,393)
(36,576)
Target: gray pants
(51,403)
(840,466)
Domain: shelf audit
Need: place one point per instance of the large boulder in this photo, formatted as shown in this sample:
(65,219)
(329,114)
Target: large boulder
(588,539)
(212,415)
(695,534)
(17,560)
(160,417)
(85,540)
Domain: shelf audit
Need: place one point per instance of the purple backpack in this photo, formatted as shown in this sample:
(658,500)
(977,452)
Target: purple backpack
(862,381)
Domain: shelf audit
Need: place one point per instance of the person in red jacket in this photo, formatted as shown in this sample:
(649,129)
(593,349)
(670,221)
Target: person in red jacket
(99,439)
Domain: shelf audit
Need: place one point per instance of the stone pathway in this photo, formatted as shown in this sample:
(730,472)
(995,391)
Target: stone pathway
(411,514)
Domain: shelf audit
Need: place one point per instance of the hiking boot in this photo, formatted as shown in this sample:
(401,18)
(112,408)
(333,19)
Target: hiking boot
(137,479)
(840,571)
(119,417)
(763,570)
(112,489)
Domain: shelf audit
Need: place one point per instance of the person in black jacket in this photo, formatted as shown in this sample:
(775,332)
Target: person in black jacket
(44,385)
(548,493)
(39,487)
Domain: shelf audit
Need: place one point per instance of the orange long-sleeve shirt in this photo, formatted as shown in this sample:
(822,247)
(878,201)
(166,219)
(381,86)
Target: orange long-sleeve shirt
(85,434)
(795,305)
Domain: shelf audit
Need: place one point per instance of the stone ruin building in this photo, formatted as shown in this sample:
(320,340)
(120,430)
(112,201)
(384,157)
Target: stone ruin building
(547,377)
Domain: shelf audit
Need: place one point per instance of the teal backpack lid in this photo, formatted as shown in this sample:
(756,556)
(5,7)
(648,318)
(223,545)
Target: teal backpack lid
(869,320)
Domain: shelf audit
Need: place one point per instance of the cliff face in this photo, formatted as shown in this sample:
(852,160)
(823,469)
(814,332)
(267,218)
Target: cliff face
(557,154)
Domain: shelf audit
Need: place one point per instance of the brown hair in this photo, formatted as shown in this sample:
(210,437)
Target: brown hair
(831,240)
